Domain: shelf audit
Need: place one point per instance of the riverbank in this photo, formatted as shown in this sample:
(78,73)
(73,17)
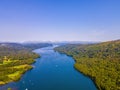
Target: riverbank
(98,61)
(53,71)
(81,70)
(13,70)
(16,59)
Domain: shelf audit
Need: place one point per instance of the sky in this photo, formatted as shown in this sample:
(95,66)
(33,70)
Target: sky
(59,20)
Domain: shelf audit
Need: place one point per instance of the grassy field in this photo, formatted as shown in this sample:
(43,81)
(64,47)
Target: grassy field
(12,70)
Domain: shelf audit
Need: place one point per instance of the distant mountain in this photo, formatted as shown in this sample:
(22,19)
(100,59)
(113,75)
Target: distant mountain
(18,50)
(73,42)
(36,45)
(11,45)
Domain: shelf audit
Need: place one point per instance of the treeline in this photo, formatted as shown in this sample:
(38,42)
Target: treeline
(99,61)
(16,52)
(15,59)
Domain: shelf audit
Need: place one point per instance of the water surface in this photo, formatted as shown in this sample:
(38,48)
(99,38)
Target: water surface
(53,71)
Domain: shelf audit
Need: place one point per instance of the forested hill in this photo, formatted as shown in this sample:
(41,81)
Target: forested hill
(35,45)
(16,59)
(19,51)
(99,61)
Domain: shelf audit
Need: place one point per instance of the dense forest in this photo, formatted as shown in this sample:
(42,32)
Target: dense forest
(99,61)
(15,59)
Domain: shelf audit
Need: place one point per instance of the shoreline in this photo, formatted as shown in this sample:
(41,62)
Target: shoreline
(19,74)
(18,78)
(87,76)
(80,71)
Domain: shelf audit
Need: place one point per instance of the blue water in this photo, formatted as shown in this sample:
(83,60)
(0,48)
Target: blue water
(53,71)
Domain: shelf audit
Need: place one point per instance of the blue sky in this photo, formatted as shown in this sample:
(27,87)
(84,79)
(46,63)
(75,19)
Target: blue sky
(59,20)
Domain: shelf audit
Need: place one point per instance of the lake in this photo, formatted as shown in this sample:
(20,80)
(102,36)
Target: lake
(52,71)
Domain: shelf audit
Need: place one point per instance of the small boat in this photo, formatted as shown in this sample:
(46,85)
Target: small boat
(26,89)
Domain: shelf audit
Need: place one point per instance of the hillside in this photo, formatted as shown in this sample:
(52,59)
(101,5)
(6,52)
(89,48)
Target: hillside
(15,51)
(35,45)
(100,61)
(16,59)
